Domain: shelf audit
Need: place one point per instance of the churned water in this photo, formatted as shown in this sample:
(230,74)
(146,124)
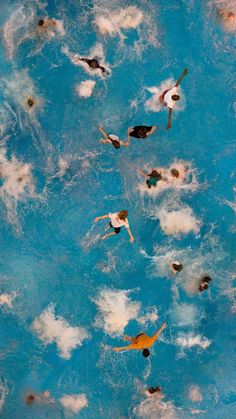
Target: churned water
(66,297)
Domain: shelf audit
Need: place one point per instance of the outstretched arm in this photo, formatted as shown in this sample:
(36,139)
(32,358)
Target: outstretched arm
(103,132)
(156,336)
(152,130)
(102,217)
(140,171)
(131,237)
(169,118)
(125,348)
(181,77)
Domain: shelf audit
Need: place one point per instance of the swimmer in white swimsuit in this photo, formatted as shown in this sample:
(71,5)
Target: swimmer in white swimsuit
(170,97)
(111,139)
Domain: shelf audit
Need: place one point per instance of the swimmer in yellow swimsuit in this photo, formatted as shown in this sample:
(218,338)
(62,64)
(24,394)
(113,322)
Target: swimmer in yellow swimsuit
(141,342)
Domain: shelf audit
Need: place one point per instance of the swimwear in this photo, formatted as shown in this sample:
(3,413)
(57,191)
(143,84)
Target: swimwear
(116,229)
(152,181)
(135,132)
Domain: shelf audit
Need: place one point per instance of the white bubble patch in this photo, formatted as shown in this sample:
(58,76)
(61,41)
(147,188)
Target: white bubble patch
(112,22)
(52,329)
(85,88)
(7,299)
(177,222)
(194,393)
(188,341)
(74,402)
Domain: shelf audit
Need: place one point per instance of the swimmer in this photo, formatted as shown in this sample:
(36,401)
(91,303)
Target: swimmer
(152,178)
(153,390)
(204,283)
(30,102)
(118,220)
(93,64)
(141,342)
(140,131)
(46,23)
(170,97)
(111,139)
(175,267)
(41,398)
(228,19)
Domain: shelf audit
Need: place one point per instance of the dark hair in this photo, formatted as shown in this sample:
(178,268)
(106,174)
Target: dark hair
(206,279)
(40,22)
(174,172)
(155,174)
(177,267)
(153,390)
(30,102)
(30,399)
(175,97)
(146,353)
(115,143)
(142,131)
(94,63)
(123,214)
(203,286)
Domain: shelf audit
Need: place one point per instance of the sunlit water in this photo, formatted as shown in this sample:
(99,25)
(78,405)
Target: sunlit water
(67,297)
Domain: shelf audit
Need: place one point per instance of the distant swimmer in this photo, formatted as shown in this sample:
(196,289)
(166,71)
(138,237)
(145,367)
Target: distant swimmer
(93,64)
(228,19)
(111,139)
(176,267)
(152,178)
(140,131)
(30,102)
(141,342)
(46,23)
(153,390)
(39,398)
(204,283)
(170,97)
(118,220)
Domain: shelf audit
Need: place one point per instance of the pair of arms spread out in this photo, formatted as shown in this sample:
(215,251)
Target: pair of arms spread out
(130,129)
(176,85)
(131,237)
(107,138)
(140,342)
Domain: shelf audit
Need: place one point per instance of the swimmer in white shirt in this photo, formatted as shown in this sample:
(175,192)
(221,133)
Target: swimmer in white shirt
(111,139)
(118,220)
(170,97)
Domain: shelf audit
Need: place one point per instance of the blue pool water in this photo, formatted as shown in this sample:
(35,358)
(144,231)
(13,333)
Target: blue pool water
(66,297)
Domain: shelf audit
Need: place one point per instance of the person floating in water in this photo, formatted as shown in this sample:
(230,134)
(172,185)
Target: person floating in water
(141,342)
(140,131)
(111,139)
(151,178)
(170,97)
(46,23)
(228,19)
(39,398)
(176,267)
(204,283)
(30,101)
(118,220)
(153,390)
(92,63)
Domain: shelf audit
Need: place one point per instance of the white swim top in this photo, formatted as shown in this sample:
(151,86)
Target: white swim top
(168,97)
(116,222)
(114,137)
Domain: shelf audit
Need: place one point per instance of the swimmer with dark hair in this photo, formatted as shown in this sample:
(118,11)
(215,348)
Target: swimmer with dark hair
(141,342)
(153,390)
(204,283)
(118,220)
(30,102)
(152,178)
(46,23)
(111,139)
(175,267)
(93,64)
(40,398)
(141,131)
(170,96)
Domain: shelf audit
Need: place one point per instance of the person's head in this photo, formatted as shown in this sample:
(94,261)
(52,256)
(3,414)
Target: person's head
(203,286)
(146,353)
(30,102)
(94,63)
(116,143)
(151,390)
(155,174)
(123,214)
(177,267)
(41,22)
(142,131)
(206,279)
(174,172)
(30,399)
(175,97)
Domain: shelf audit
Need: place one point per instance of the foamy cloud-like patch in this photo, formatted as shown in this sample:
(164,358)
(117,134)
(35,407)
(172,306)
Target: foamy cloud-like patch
(112,22)
(52,329)
(3,394)
(154,407)
(116,309)
(195,394)
(7,299)
(74,402)
(85,88)
(186,314)
(188,341)
(177,222)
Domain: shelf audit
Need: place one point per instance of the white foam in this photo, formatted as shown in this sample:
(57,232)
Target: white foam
(17,184)
(74,402)
(112,22)
(50,328)
(153,104)
(7,299)
(96,52)
(3,394)
(186,315)
(150,316)
(154,407)
(116,310)
(85,88)
(188,341)
(177,222)
(195,394)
